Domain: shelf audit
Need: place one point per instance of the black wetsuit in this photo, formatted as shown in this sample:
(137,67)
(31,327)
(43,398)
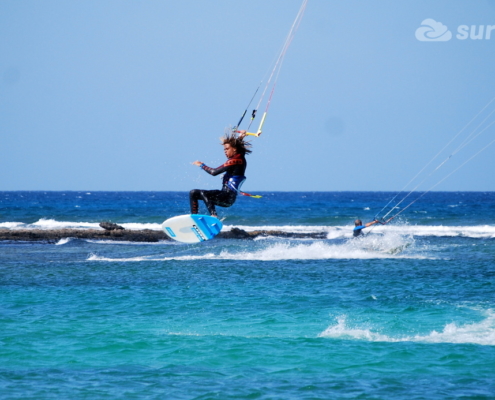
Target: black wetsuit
(234,169)
(358,231)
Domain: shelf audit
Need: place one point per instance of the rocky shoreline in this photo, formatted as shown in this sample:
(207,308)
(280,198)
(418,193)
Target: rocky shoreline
(146,235)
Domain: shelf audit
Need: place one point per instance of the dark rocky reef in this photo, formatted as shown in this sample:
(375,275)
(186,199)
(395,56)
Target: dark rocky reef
(146,235)
(236,233)
(54,235)
(110,226)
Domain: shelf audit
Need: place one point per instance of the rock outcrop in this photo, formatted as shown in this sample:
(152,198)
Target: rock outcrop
(145,235)
(110,226)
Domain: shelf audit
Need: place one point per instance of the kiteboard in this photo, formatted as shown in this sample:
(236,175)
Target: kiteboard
(192,228)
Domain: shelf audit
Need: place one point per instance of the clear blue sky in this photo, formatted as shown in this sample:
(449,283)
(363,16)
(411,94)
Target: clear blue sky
(124,95)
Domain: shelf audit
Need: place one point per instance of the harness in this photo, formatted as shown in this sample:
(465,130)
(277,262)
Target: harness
(234,182)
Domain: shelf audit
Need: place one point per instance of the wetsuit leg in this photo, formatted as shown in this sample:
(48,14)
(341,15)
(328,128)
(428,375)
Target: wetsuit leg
(211,198)
(194,196)
(208,196)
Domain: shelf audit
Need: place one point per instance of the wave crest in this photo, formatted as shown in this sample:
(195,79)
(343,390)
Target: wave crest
(482,333)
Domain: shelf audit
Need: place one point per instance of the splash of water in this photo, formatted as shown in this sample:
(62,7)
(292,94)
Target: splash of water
(482,333)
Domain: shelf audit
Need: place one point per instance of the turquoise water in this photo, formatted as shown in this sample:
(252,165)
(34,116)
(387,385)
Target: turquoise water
(408,312)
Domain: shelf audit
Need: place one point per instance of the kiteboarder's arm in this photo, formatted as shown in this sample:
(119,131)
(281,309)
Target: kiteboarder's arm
(372,223)
(366,225)
(221,169)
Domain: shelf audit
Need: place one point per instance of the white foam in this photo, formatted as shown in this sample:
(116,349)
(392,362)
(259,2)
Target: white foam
(141,226)
(389,242)
(389,245)
(54,224)
(342,331)
(345,231)
(126,242)
(477,231)
(300,250)
(11,225)
(482,333)
(306,251)
(63,241)
(48,224)
(95,257)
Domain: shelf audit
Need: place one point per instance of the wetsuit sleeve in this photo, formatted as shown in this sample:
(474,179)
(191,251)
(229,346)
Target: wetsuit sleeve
(224,167)
(359,227)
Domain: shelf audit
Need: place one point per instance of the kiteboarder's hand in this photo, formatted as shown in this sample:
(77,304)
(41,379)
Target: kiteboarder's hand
(241,134)
(198,163)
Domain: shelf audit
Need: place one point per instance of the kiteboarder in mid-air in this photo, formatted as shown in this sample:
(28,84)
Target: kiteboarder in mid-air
(235,149)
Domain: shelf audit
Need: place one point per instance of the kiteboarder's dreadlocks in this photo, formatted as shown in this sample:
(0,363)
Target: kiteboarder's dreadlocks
(237,142)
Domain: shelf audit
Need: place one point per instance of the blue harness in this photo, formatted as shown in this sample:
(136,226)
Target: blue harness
(234,182)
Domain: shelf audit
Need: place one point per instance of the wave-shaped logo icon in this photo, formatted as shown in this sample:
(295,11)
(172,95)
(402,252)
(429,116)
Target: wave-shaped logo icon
(433,31)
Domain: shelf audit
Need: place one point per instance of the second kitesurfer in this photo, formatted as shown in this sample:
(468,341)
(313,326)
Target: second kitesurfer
(358,226)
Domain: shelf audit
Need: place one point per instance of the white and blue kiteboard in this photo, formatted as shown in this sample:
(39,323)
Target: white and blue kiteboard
(192,228)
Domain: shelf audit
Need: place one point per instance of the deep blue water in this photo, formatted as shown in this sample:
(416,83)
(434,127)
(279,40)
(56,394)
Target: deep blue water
(406,312)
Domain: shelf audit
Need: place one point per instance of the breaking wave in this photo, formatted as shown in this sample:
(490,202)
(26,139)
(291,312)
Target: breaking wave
(393,246)
(482,333)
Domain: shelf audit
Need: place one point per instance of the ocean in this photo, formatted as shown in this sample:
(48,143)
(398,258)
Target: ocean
(405,312)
